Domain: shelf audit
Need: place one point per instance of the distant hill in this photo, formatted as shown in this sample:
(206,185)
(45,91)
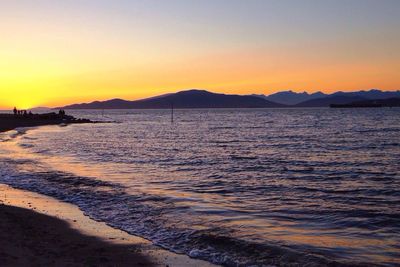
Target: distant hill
(349,97)
(40,109)
(371,94)
(184,99)
(327,101)
(292,98)
(320,99)
(204,99)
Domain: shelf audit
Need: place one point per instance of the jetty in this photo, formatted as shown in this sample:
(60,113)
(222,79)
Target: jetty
(12,121)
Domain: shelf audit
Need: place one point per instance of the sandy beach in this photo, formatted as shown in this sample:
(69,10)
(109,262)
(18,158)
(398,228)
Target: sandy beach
(29,238)
(36,230)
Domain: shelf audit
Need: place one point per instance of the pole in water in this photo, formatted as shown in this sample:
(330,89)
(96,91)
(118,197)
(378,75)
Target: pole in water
(172,112)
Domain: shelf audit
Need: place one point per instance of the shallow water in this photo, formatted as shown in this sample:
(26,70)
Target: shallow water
(267,186)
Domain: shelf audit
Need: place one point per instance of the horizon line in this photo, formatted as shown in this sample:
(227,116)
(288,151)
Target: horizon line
(199,89)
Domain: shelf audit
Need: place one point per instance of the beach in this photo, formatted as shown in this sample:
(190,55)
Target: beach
(30,238)
(36,230)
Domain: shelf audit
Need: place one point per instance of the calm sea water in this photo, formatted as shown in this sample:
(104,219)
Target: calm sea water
(249,187)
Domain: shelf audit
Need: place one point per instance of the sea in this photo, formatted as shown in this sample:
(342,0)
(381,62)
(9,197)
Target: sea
(249,187)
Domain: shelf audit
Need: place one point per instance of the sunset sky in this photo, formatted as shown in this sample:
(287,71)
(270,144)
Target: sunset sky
(59,52)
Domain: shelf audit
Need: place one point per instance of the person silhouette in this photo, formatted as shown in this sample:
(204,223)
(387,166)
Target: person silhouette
(15,111)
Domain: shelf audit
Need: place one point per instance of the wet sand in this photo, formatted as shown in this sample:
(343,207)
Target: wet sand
(37,230)
(28,238)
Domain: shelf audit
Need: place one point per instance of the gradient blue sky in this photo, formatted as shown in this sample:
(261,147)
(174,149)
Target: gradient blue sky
(87,49)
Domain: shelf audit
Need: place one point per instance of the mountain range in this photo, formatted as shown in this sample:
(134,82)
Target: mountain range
(317,99)
(204,99)
(291,98)
(182,100)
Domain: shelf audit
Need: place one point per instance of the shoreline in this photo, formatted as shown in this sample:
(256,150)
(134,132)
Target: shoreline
(38,229)
(10,122)
(55,226)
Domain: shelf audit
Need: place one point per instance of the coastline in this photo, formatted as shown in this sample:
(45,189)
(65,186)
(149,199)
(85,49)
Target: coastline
(9,122)
(40,230)
(79,188)
(36,229)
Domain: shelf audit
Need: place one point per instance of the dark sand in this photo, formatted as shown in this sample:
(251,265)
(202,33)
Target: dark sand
(28,238)
(37,230)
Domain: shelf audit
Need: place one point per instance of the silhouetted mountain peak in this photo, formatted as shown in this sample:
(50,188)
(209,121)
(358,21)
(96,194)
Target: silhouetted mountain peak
(193,92)
(292,98)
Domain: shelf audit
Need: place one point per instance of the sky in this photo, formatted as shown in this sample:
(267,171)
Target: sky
(60,52)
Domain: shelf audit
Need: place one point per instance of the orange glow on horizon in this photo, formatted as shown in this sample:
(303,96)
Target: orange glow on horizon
(82,57)
(234,73)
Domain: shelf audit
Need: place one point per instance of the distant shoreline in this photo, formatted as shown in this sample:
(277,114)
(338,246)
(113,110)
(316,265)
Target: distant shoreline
(202,99)
(10,122)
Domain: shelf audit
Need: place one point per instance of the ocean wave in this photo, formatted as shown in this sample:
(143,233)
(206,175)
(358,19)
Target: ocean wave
(141,215)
